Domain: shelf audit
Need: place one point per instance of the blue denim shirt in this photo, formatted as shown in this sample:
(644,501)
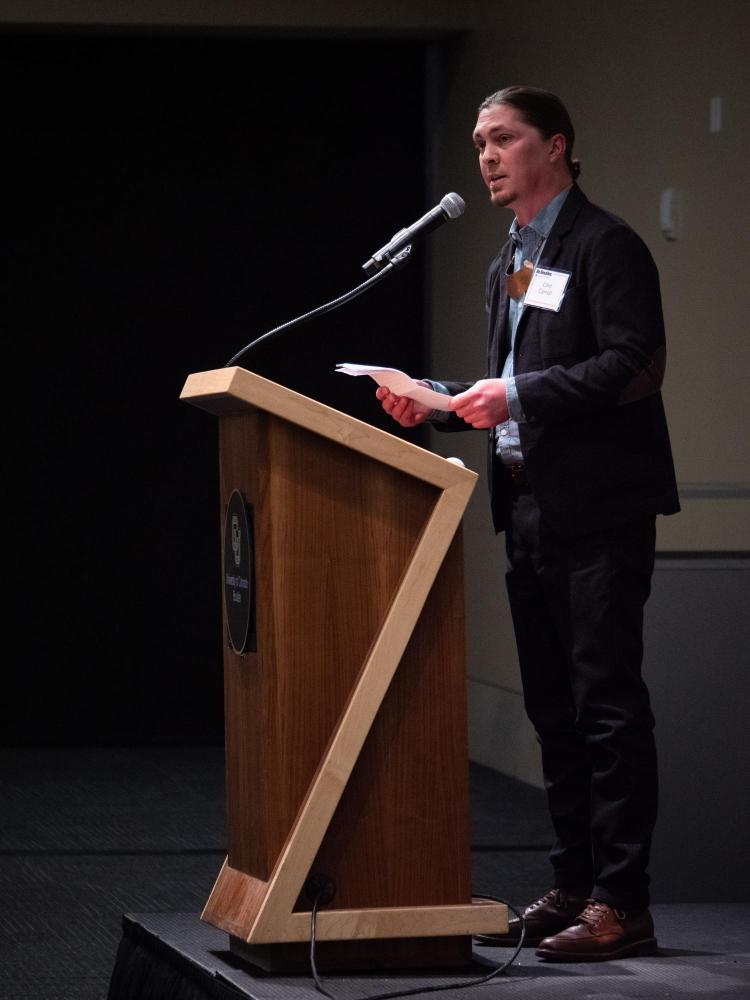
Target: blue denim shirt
(529,241)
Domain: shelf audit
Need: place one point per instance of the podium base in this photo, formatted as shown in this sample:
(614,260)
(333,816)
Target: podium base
(357,956)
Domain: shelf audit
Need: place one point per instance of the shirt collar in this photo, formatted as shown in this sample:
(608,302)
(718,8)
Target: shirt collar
(544,219)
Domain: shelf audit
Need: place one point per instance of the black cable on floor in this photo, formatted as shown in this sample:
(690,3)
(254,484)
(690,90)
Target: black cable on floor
(463,984)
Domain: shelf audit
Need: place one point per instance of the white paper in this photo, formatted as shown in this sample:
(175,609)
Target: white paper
(400,383)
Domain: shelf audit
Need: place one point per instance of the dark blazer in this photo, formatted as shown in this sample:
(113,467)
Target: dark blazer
(595,440)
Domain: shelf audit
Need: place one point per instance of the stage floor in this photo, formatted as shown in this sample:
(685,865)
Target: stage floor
(88,835)
(703,952)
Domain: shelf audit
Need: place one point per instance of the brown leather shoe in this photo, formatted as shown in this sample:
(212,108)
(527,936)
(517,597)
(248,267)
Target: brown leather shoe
(556,910)
(601,933)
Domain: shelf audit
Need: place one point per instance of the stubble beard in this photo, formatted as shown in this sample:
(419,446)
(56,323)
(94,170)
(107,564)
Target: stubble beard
(502,200)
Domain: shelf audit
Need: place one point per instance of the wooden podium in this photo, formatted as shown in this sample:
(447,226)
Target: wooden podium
(346,733)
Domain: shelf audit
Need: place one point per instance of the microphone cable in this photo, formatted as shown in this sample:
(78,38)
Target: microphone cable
(462,984)
(394,262)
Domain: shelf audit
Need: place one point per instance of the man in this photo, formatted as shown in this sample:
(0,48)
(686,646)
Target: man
(580,465)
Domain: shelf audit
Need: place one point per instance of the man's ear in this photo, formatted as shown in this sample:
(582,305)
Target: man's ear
(558,145)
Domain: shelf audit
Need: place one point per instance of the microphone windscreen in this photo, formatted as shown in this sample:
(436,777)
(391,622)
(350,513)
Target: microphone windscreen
(453,205)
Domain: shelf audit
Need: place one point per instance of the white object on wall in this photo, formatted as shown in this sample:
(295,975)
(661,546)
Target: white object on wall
(670,214)
(714,114)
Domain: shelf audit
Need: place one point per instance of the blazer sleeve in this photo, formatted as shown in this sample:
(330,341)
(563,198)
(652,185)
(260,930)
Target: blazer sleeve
(449,421)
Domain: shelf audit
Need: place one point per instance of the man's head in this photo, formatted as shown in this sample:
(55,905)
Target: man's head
(524,137)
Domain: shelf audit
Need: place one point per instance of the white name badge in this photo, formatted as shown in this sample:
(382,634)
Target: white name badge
(546,289)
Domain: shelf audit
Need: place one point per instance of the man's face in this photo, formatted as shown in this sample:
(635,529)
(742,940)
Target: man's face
(514,159)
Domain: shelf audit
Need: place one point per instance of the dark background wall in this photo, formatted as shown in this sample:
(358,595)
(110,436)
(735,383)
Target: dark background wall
(181,195)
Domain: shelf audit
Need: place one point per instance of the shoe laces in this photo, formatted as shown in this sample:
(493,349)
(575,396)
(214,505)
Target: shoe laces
(554,896)
(594,912)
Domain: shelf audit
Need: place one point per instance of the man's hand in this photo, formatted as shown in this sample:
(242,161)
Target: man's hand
(484,405)
(407,412)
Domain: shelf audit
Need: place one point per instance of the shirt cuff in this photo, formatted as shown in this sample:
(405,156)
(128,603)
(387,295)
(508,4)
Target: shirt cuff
(514,403)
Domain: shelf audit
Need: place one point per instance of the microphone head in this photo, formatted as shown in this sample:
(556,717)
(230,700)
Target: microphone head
(453,205)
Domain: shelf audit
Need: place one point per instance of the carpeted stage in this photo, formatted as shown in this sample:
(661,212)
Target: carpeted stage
(108,855)
(174,955)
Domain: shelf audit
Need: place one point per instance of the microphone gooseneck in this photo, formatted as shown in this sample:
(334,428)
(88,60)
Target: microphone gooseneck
(395,253)
(353,293)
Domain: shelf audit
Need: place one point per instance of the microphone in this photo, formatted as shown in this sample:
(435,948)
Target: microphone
(450,207)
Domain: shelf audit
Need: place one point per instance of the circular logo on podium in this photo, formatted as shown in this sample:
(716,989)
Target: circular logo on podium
(239,582)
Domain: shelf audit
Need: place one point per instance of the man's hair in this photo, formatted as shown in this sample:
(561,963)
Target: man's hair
(544,111)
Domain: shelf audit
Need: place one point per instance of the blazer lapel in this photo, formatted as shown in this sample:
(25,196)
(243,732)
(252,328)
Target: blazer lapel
(563,224)
(500,341)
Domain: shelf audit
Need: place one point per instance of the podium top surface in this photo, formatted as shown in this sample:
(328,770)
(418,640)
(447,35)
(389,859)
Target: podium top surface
(230,391)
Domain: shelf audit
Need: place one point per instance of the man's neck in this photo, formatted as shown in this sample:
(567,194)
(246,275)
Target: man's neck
(526,212)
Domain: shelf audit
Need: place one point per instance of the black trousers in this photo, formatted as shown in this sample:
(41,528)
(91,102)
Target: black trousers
(577,606)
